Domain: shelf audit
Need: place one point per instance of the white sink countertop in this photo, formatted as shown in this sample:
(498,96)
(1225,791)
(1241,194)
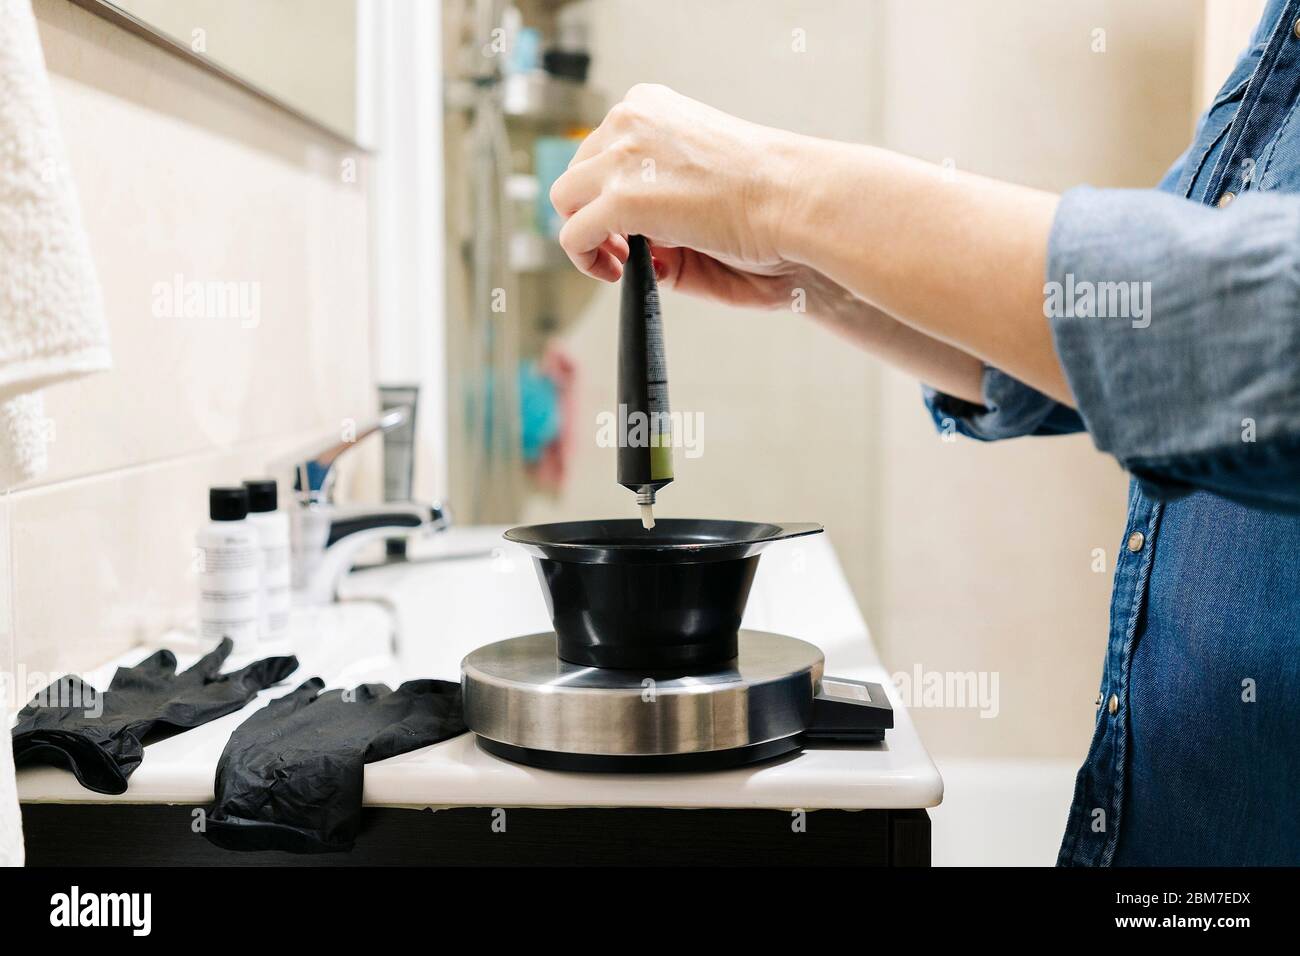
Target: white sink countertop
(468,587)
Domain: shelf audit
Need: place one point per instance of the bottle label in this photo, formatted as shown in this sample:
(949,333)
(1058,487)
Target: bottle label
(657,408)
(275,595)
(220,560)
(229,580)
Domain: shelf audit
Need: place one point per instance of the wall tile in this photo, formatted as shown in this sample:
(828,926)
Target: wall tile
(105,562)
(180,173)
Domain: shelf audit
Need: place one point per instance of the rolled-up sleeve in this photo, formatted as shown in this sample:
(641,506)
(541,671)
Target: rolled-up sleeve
(1178,327)
(1009,409)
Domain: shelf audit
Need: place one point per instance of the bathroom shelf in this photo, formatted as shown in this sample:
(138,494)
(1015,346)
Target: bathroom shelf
(533,253)
(535,98)
(538,97)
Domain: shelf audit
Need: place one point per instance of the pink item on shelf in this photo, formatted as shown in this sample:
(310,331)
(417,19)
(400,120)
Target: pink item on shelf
(552,466)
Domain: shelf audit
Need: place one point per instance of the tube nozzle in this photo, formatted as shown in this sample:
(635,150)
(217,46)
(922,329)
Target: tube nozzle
(645,500)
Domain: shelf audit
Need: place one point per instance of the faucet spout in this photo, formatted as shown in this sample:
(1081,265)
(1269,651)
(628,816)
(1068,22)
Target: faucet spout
(314,475)
(326,537)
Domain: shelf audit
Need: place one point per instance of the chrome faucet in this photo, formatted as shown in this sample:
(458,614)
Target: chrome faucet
(327,537)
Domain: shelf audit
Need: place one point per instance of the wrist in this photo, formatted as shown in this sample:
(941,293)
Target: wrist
(782,184)
(802,175)
(812,294)
(827,200)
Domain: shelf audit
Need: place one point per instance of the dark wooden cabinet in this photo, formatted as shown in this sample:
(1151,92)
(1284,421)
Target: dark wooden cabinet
(164,835)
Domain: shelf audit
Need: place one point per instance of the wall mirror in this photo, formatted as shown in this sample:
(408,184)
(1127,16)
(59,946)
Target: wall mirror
(300,54)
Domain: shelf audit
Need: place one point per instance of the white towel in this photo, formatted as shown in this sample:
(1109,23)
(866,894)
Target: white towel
(51,314)
(24,433)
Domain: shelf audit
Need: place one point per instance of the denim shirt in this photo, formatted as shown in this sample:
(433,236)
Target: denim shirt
(1193,384)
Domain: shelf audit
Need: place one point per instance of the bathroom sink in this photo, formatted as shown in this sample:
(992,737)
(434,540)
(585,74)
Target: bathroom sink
(460,589)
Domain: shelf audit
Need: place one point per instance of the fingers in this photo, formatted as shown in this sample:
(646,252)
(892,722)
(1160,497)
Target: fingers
(160,663)
(264,673)
(597,252)
(595,142)
(667,262)
(209,665)
(578,185)
(685,270)
(617,244)
(577,188)
(591,237)
(612,257)
(584,239)
(605,267)
(301,696)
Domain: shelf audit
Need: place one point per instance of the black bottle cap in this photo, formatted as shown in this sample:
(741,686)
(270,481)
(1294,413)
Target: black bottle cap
(228,504)
(262,495)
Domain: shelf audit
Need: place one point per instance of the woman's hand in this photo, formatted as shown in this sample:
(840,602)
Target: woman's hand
(706,189)
(745,213)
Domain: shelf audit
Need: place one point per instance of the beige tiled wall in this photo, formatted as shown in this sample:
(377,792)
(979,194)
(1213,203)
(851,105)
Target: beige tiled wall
(179,173)
(990,560)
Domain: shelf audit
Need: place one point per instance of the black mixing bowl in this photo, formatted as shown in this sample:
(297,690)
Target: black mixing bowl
(670,598)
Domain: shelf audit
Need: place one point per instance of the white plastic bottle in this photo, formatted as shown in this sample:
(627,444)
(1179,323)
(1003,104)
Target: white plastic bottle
(229,564)
(272,529)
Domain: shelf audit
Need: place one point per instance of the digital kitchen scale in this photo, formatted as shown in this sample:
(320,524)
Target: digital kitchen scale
(528,705)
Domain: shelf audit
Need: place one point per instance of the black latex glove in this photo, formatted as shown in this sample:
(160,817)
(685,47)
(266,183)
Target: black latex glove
(290,777)
(101,736)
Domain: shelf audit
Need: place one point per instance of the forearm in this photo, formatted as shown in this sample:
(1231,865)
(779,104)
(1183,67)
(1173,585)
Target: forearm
(959,258)
(937,364)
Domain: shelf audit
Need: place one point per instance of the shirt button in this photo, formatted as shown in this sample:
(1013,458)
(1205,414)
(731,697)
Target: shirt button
(1113,704)
(1227,197)
(1295,27)
(1136,540)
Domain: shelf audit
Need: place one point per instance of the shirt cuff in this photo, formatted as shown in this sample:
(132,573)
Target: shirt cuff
(1010,409)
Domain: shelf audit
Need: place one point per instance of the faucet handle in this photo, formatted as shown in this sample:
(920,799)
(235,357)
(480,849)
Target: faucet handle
(394,517)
